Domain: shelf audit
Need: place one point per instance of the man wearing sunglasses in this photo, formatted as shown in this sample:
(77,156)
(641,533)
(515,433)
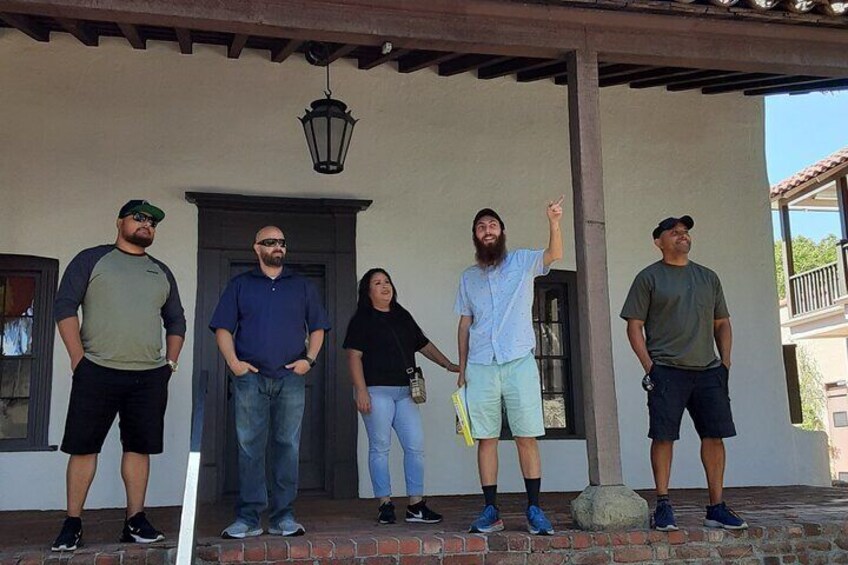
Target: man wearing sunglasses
(118,366)
(261,323)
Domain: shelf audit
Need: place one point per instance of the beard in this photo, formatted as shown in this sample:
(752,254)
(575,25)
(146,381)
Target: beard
(490,255)
(271,260)
(136,238)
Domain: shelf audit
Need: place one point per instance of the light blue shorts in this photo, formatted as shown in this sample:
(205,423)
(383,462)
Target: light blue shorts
(514,386)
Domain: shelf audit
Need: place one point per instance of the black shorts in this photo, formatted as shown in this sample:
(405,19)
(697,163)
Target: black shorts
(704,393)
(99,393)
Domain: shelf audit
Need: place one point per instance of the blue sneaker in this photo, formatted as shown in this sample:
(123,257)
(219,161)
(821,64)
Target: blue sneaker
(537,523)
(720,516)
(487,522)
(664,517)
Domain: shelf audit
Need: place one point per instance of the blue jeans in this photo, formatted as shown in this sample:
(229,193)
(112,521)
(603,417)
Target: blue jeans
(267,408)
(392,407)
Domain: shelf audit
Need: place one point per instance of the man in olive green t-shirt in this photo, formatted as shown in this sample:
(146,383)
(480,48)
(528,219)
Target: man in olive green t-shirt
(676,317)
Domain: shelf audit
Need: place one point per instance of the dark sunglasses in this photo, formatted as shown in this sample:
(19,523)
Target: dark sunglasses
(271,242)
(144,219)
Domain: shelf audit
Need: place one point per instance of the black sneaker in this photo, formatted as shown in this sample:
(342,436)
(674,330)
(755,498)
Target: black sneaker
(138,530)
(421,514)
(387,513)
(70,537)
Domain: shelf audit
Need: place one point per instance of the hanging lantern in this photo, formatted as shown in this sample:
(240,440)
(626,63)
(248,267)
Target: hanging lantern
(328,124)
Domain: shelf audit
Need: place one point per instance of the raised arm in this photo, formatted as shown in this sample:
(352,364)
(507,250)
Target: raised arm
(554,249)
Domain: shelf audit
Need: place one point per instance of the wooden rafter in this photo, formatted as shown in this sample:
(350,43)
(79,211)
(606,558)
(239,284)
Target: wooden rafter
(184,39)
(26,25)
(422,59)
(377,58)
(132,34)
(552,70)
(340,51)
(466,63)
(683,77)
(236,45)
(762,83)
(81,30)
(619,69)
(510,66)
(284,49)
(727,79)
(658,72)
(830,84)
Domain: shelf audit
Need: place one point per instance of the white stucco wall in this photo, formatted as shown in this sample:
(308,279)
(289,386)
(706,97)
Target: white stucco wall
(85,129)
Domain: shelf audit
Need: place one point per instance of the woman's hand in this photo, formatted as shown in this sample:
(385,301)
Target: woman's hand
(363,401)
(452,368)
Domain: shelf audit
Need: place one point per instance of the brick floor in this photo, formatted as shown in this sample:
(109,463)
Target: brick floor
(788,525)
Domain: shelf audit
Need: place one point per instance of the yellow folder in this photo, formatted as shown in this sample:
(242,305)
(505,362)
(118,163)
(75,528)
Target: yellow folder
(463,426)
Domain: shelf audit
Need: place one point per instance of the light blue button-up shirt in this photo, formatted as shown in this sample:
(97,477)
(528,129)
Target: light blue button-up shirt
(500,299)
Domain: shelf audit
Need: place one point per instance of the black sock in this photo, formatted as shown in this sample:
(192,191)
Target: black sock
(662,498)
(75,520)
(533,486)
(490,493)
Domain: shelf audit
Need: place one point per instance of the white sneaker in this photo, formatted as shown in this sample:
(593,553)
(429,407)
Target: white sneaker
(287,527)
(240,530)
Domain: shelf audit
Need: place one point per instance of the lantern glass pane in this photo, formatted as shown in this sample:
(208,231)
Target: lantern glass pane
(310,139)
(348,134)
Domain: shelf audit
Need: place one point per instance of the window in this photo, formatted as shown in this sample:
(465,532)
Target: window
(557,355)
(840,419)
(843,477)
(27,288)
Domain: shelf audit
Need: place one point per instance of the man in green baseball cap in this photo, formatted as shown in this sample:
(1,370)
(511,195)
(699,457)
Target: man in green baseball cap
(142,206)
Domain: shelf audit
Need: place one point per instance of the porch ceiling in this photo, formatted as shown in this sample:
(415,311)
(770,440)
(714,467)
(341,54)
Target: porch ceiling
(202,22)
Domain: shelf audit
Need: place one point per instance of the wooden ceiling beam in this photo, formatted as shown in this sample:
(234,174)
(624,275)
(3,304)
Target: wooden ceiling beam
(763,83)
(341,51)
(284,49)
(79,29)
(727,79)
(132,35)
(683,77)
(510,66)
(236,45)
(27,25)
(547,71)
(418,60)
(367,62)
(664,72)
(619,69)
(830,84)
(466,63)
(184,39)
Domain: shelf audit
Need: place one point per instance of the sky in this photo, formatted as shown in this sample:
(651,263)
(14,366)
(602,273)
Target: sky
(801,130)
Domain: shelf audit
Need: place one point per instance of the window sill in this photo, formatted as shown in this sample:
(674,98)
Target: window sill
(26,448)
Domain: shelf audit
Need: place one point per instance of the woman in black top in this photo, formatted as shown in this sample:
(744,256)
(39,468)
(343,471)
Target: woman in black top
(381,342)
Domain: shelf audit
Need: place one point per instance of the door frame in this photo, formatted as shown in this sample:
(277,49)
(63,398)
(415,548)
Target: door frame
(328,227)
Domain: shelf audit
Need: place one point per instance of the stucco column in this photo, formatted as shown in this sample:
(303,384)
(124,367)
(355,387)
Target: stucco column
(606,503)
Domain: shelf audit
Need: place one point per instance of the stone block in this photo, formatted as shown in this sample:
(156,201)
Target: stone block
(604,508)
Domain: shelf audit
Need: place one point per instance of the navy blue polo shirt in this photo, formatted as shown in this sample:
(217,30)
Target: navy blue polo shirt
(270,318)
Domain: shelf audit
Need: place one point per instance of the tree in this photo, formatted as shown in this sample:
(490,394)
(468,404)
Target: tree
(808,255)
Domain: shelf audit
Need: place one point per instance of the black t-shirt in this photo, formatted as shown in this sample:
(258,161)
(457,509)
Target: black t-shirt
(382,360)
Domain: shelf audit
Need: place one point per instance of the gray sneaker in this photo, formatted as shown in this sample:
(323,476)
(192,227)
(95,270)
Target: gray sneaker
(240,530)
(287,527)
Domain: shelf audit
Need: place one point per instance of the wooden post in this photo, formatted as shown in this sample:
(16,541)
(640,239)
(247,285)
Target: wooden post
(842,265)
(788,262)
(606,504)
(600,407)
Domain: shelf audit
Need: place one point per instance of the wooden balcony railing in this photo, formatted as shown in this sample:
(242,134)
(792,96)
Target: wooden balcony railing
(816,289)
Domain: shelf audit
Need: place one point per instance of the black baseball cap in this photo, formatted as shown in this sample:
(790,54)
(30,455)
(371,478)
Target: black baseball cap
(669,223)
(142,206)
(486,212)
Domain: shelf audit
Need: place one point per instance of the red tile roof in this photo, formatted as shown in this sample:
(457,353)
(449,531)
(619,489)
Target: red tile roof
(816,169)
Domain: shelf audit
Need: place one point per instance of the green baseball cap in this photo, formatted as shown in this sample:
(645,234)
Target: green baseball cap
(142,206)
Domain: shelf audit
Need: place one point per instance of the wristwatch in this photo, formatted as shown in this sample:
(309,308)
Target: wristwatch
(309,360)
(173,365)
